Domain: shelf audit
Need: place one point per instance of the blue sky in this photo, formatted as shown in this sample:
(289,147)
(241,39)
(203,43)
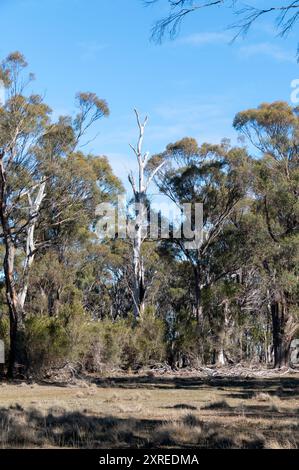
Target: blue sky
(192,86)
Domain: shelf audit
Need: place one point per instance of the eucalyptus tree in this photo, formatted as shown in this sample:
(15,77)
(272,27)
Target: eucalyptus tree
(138,228)
(65,229)
(273,130)
(215,176)
(31,148)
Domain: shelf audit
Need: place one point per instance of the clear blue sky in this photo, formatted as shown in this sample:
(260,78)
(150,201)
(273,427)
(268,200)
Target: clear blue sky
(192,86)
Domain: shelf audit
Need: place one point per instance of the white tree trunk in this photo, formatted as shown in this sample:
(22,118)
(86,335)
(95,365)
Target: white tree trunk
(34,207)
(220,358)
(141,218)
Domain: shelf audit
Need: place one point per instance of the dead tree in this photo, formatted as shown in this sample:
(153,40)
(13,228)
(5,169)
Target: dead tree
(139,226)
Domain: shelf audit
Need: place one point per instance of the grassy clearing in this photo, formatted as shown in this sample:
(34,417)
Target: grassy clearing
(152,411)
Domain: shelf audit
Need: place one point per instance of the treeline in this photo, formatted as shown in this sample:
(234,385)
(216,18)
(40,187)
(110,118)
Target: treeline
(67,296)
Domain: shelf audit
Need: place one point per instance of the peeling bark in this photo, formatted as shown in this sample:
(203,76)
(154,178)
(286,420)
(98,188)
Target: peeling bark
(34,207)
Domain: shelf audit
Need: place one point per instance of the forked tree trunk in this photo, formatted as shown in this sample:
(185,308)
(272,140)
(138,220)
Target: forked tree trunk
(15,299)
(34,207)
(140,191)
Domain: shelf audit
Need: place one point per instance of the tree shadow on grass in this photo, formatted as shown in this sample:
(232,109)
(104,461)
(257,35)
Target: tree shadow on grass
(180,406)
(57,428)
(247,385)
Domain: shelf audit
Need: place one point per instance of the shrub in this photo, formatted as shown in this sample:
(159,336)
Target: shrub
(4,336)
(149,339)
(121,344)
(185,345)
(46,341)
(108,342)
(50,341)
(72,336)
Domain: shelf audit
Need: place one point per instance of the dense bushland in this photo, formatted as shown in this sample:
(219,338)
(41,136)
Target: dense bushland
(68,297)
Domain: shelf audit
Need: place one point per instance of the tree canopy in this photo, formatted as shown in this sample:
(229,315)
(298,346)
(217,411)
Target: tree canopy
(146,298)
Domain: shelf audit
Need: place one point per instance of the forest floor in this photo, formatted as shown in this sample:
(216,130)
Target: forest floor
(153,410)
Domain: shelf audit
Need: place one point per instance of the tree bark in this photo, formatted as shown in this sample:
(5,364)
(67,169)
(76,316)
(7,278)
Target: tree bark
(16,354)
(139,191)
(139,286)
(282,325)
(16,300)
(34,208)
(221,358)
(197,294)
(8,267)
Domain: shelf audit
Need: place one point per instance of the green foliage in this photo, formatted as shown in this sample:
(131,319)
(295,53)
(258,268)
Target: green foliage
(46,342)
(4,332)
(149,339)
(184,344)
(54,341)
(228,296)
(113,340)
(122,344)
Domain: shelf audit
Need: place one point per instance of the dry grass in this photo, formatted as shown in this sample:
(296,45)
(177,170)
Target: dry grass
(151,411)
(261,396)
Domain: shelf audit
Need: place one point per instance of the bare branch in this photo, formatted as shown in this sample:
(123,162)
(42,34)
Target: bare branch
(171,24)
(132,182)
(286,16)
(153,174)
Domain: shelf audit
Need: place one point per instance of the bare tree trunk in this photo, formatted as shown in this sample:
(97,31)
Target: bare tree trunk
(197,293)
(141,218)
(220,355)
(139,285)
(220,360)
(16,352)
(8,268)
(15,317)
(34,207)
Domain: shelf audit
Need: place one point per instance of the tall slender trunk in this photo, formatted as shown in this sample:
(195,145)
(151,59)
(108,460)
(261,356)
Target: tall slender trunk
(15,316)
(139,285)
(197,294)
(221,336)
(139,191)
(34,208)
(15,313)
(282,325)
(16,354)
